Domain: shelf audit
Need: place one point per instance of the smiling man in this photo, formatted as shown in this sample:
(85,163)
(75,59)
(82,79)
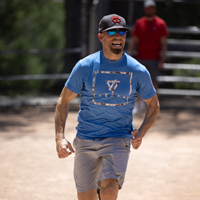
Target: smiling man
(108,82)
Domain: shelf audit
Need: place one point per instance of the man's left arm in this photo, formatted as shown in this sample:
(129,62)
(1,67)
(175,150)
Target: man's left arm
(150,118)
(163,50)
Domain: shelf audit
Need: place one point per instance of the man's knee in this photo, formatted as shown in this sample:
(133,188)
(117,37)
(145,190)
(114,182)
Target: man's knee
(109,189)
(89,195)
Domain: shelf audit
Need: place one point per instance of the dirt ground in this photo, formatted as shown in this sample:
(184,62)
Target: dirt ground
(166,167)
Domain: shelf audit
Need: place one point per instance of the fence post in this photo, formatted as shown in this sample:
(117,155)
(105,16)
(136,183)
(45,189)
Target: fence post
(72,32)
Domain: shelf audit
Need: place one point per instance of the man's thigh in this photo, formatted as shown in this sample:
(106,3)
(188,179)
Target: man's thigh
(98,160)
(87,165)
(115,160)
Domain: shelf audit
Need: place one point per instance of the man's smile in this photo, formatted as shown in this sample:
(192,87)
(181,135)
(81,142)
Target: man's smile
(117,44)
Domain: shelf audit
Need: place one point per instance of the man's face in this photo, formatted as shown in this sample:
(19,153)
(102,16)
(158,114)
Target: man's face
(150,11)
(113,43)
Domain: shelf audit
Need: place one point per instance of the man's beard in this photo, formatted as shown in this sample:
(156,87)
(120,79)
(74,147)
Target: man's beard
(116,51)
(149,15)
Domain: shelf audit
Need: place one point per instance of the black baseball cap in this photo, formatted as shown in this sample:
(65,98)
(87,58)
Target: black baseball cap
(111,22)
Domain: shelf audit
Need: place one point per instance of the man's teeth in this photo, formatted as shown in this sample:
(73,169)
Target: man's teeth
(117,44)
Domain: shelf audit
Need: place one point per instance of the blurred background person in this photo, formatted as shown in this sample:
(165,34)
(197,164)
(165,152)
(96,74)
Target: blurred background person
(149,35)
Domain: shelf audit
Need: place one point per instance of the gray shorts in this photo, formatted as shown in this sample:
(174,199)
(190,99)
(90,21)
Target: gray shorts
(100,159)
(152,67)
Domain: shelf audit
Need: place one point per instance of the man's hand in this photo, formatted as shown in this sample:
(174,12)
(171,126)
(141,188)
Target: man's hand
(137,140)
(64,148)
(160,65)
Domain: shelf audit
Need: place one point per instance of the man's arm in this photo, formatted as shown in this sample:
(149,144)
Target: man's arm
(150,118)
(132,45)
(163,50)
(61,114)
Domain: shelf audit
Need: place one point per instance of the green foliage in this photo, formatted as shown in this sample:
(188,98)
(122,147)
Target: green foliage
(28,25)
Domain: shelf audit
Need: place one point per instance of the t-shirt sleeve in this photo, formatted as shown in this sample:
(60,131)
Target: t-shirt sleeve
(75,80)
(164,31)
(146,89)
(135,30)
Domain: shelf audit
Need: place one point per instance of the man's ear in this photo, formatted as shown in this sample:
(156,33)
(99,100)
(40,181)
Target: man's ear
(100,36)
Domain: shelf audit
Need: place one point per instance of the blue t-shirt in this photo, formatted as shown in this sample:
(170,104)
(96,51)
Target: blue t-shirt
(108,90)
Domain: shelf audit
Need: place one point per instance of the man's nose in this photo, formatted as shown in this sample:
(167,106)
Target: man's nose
(117,34)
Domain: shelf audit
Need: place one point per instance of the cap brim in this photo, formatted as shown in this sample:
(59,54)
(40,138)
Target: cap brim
(113,27)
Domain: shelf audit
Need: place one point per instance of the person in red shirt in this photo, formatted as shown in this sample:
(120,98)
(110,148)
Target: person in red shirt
(148,39)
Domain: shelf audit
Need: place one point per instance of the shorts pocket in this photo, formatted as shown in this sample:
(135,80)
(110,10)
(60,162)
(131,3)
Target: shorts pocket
(75,142)
(126,142)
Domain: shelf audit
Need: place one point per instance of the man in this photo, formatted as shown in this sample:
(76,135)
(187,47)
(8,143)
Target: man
(149,38)
(108,82)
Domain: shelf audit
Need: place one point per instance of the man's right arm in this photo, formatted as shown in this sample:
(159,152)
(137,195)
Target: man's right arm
(132,45)
(61,114)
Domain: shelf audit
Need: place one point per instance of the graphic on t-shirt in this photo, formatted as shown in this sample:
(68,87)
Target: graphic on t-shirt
(111,88)
(112,84)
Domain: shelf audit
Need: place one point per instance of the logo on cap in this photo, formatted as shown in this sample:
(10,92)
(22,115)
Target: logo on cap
(116,19)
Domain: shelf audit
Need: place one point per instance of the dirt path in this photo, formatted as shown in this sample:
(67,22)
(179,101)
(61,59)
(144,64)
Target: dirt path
(166,167)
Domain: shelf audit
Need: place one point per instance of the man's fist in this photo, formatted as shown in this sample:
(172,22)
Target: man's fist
(64,148)
(136,141)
